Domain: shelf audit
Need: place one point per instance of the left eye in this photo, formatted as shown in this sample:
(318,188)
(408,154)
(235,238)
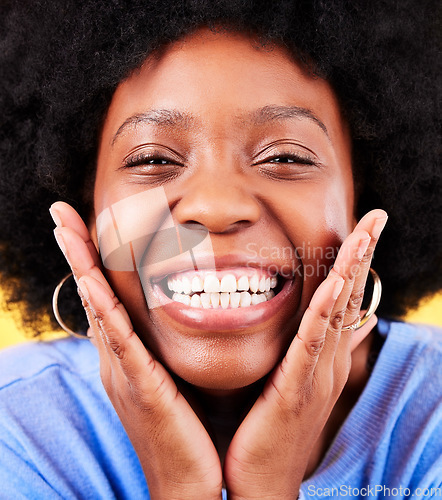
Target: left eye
(147,160)
(282,159)
(156,161)
(290,158)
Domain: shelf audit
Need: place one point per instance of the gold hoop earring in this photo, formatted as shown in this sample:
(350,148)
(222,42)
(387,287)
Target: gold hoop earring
(57,312)
(375,298)
(374,302)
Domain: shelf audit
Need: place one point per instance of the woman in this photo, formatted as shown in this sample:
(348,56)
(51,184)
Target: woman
(222,175)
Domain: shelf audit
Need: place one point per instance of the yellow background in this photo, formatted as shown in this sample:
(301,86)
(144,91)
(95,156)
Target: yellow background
(430,312)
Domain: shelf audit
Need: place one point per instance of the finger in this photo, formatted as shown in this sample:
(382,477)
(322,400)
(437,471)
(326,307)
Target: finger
(359,335)
(141,371)
(98,311)
(374,223)
(300,361)
(95,336)
(78,255)
(347,265)
(81,262)
(65,216)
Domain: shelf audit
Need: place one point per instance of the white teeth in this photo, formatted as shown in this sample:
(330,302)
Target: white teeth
(228,283)
(225,299)
(262,284)
(178,286)
(254,283)
(255,299)
(195,301)
(214,300)
(185,299)
(211,284)
(235,299)
(205,300)
(243,283)
(227,292)
(197,284)
(245,299)
(187,286)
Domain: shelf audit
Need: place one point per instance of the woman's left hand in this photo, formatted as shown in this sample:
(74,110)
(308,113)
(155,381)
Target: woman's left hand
(269,453)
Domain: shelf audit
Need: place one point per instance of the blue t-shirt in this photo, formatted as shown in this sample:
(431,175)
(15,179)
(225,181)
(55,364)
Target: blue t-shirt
(61,438)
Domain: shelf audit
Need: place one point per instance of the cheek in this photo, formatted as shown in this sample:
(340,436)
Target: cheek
(316,220)
(128,288)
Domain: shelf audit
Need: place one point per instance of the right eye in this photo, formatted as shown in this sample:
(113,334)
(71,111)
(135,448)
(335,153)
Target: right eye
(157,161)
(148,159)
(153,165)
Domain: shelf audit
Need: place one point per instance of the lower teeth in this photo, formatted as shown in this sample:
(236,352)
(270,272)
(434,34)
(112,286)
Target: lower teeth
(223,300)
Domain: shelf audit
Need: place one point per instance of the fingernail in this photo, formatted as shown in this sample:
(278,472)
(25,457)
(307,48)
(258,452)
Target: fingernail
(83,289)
(55,217)
(362,248)
(378,227)
(60,241)
(337,289)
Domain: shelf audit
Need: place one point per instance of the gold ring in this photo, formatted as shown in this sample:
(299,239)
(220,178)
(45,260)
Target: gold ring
(374,303)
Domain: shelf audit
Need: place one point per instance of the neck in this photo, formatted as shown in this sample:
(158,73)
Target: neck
(222,411)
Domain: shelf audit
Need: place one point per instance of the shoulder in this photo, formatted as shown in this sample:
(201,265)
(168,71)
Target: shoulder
(29,361)
(411,353)
(412,334)
(55,418)
(407,375)
(46,379)
(48,386)
(43,384)
(404,401)
(394,433)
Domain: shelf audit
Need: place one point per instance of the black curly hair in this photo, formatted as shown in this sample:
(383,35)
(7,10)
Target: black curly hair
(62,60)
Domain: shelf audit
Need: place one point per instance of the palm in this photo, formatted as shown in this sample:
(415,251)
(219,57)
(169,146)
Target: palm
(262,441)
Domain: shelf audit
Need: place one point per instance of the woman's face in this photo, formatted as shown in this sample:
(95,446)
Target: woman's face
(222,166)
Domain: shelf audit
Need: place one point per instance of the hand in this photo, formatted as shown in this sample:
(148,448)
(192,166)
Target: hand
(269,453)
(176,453)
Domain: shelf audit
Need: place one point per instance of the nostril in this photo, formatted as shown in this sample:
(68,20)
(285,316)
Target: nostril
(219,210)
(191,223)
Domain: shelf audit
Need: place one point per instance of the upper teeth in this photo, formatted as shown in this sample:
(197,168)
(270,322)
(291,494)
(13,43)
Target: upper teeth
(228,291)
(228,283)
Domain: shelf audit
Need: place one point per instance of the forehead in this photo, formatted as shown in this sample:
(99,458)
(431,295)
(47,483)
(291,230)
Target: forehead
(220,79)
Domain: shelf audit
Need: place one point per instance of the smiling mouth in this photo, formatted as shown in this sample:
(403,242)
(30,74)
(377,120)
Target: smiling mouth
(229,289)
(226,299)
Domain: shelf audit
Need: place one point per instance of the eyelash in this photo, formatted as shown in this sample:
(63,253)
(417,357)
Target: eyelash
(147,159)
(144,159)
(159,168)
(294,157)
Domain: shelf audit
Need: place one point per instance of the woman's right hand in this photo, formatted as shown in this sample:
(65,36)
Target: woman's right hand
(177,455)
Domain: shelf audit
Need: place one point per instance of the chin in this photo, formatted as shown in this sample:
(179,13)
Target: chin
(222,360)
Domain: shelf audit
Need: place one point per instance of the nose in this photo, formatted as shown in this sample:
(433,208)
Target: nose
(221,203)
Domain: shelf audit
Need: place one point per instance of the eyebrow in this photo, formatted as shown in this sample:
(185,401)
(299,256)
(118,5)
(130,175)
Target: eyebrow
(160,117)
(273,113)
(175,118)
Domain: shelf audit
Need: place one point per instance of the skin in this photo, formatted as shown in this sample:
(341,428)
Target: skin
(275,384)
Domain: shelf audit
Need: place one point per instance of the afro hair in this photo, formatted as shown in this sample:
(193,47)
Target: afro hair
(62,61)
